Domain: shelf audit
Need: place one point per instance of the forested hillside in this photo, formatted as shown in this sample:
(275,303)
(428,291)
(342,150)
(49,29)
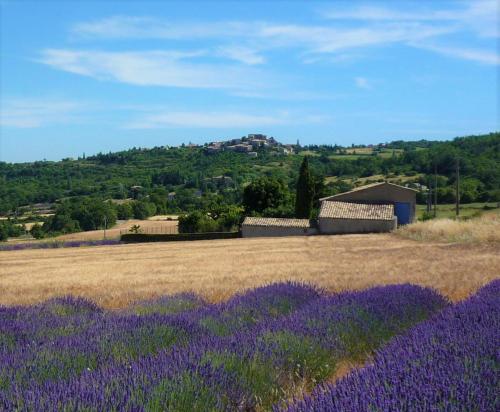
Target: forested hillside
(200,179)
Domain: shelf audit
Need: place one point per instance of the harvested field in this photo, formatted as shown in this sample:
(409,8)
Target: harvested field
(113,276)
(153,224)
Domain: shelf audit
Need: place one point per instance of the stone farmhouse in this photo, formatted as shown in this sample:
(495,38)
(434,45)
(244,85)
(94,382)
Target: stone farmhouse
(374,208)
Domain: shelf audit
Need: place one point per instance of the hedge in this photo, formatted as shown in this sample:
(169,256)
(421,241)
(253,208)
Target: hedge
(174,237)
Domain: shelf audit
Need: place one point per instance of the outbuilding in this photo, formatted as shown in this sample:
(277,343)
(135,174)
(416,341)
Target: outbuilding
(344,217)
(275,227)
(403,199)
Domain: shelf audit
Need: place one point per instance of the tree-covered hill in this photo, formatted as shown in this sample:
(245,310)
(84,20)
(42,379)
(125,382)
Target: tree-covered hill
(199,178)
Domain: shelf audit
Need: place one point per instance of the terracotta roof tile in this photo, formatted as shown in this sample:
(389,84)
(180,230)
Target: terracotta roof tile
(346,210)
(369,186)
(276,222)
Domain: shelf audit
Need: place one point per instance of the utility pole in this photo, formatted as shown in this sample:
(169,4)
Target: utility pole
(429,196)
(105,225)
(435,188)
(457,188)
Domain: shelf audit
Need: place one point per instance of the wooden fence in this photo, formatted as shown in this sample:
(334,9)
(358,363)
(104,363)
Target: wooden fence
(159,230)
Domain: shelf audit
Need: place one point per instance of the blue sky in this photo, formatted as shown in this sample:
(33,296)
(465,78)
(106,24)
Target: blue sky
(84,76)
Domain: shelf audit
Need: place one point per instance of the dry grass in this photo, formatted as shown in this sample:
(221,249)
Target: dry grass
(114,276)
(479,230)
(169,226)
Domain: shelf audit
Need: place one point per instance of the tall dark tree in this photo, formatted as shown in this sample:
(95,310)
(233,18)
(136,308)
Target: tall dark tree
(305,191)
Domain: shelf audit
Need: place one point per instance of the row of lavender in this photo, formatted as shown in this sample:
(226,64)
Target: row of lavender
(56,244)
(450,363)
(179,353)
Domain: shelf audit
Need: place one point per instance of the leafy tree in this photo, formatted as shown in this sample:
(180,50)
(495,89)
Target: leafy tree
(93,214)
(159,198)
(124,211)
(61,222)
(143,209)
(264,193)
(305,191)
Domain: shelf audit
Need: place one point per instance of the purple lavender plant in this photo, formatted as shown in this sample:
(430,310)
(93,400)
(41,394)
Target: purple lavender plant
(449,363)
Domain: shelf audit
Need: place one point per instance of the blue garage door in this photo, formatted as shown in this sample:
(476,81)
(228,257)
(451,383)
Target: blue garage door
(403,212)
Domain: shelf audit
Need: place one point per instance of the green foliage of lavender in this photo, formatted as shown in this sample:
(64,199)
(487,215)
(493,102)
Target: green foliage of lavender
(179,353)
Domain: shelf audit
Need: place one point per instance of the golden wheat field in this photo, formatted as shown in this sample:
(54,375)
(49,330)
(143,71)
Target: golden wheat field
(113,276)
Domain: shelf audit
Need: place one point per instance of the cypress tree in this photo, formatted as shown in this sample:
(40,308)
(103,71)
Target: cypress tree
(305,191)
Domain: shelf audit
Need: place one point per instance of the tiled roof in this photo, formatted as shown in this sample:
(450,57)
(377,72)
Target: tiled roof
(276,222)
(369,186)
(346,210)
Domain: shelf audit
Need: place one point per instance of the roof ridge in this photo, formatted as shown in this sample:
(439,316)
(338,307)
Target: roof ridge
(368,186)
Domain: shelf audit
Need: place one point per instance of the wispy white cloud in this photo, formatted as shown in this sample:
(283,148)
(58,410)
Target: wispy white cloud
(216,120)
(242,54)
(224,62)
(480,56)
(153,68)
(319,39)
(480,16)
(254,38)
(362,83)
(24,113)
(263,35)
(221,119)
(146,27)
(33,113)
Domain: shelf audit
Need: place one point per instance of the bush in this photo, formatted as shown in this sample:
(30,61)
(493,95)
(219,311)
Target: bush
(4,234)
(427,216)
(197,222)
(37,231)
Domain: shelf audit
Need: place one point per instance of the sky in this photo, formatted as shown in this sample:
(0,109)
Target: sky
(87,76)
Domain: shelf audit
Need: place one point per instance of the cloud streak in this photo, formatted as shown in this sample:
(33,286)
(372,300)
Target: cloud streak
(370,26)
(33,113)
(210,120)
(480,16)
(153,68)
(480,56)
(362,83)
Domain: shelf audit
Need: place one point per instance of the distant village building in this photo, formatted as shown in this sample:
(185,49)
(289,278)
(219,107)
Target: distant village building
(221,181)
(213,147)
(252,154)
(249,144)
(241,148)
(286,150)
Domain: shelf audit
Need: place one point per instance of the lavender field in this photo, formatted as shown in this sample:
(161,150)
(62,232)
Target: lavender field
(276,348)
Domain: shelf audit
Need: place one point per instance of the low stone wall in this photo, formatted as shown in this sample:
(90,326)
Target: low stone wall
(146,237)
